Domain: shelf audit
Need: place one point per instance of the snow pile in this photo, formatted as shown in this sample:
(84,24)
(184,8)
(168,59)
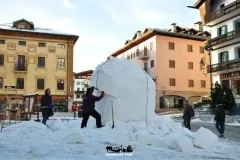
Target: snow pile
(65,139)
(128,86)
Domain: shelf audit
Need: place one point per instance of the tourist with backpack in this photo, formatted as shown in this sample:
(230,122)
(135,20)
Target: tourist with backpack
(188,113)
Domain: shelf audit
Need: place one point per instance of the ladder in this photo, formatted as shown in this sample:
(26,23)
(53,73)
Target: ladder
(12,110)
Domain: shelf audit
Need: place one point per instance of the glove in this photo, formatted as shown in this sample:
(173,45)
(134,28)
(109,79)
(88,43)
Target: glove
(102,92)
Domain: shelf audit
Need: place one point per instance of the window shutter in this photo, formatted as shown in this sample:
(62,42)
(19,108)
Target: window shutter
(219,58)
(237,25)
(227,55)
(226,29)
(218,31)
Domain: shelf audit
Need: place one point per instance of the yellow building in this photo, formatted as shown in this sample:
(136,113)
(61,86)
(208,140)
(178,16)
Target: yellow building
(33,59)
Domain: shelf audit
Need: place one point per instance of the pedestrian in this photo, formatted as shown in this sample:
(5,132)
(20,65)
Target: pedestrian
(220,119)
(89,108)
(188,113)
(46,106)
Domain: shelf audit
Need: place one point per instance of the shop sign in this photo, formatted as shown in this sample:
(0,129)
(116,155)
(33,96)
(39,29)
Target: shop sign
(230,75)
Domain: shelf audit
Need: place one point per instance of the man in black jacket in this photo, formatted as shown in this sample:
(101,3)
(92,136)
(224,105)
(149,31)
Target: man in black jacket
(188,113)
(46,106)
(220,119)
(89,108)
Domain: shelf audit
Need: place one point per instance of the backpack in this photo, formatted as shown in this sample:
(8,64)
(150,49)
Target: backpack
(192,113)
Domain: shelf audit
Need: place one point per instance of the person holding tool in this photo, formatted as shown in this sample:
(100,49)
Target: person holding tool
(89,107)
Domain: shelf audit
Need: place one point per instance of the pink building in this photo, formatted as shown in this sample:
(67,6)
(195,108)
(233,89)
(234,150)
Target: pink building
(172,58)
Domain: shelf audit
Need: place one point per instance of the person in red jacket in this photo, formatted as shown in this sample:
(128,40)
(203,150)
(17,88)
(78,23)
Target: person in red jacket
(89,108)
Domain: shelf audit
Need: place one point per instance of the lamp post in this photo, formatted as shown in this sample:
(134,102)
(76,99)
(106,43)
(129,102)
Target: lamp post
(202,62)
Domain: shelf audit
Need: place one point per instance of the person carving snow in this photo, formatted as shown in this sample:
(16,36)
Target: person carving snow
(89,108)
(46,106)
(188,113)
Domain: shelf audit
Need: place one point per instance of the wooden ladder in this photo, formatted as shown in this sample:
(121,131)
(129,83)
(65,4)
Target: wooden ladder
(11,112)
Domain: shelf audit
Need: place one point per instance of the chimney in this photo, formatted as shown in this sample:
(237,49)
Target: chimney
(198,26)
(139,33)
(174,25)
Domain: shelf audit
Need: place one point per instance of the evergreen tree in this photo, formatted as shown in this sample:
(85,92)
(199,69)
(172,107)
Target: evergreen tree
(228,99)
(217,95)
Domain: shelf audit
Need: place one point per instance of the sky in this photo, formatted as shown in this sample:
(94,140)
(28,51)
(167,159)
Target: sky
(103,26)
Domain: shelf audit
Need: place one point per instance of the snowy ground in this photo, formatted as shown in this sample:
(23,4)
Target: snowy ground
(163,139)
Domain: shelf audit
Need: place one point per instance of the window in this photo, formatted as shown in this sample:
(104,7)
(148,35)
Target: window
(131,56)
(2,41)
(60,84)
(137,52)
(61,45)
(78,89)
(128,57)
(171,63)
(172,82)
(41,62)
(1,60)
(190,48)
(146,65)
(190,65)
(237,26)
(223,57)
(203,84)
(152,63)
(1,82)
(171,46)
(222,30)
(40,84)
(222,6)
(151,46)
(201,50)
(190,83)
(78,96)
(201,66)
(22,43)
(61,64)
(42,44)
(78,83)
(21,26)
(20,83)
(134,54)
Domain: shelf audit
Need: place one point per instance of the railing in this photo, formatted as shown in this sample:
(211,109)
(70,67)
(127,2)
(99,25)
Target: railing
(224,38)
(20,67)
(234,64)
(223,11)
(143,54)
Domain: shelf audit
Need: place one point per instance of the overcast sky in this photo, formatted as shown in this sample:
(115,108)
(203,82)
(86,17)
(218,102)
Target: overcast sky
(103,25)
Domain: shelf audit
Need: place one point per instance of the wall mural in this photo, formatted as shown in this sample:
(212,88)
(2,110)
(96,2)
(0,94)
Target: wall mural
(11,46)
(52,49)
(32,48)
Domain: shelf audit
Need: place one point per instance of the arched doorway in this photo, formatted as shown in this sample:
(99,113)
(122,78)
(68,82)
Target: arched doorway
(171,101)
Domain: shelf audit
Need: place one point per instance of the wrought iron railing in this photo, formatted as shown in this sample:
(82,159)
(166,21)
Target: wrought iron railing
(234,64)
(20,66)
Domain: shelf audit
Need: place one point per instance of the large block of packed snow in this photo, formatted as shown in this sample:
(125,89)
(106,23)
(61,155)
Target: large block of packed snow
(128,86)
(205,139)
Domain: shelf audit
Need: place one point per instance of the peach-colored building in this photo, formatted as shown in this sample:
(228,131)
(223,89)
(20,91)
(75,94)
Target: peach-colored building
(172,58)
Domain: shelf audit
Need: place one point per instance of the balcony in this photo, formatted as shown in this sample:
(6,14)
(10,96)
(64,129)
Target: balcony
(226,66)
(223,14)
(226,39)
(20,67)
(143,55)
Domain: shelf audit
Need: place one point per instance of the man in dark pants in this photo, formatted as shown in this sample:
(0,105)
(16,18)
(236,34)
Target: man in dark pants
(89,108)
(46,106)
(188,113)
(220,119)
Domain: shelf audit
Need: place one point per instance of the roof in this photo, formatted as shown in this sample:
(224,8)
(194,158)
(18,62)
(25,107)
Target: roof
(185,33)
(20,20)
(84,73)
(197,4)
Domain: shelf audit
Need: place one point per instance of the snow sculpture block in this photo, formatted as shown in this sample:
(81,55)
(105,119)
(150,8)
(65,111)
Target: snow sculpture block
(205,139)
(130,88)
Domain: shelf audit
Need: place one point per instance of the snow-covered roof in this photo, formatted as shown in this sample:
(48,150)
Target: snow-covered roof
(35,30)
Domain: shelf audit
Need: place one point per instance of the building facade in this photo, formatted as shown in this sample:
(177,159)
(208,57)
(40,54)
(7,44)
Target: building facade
(81,83)
(33,59)
(223,17)
(172,59)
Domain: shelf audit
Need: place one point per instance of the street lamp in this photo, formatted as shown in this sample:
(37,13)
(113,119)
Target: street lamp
(203,63)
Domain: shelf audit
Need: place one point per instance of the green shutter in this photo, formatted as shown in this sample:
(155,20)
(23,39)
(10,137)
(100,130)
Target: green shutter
(237,25)
(218,32)
(226,29)
(227,56)
(219,57)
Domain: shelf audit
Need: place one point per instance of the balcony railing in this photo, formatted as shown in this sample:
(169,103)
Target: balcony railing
(234,64)
(143,55)
(223,11)
(20,67)
(225,38)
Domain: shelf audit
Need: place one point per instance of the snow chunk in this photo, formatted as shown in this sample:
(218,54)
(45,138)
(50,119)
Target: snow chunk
(205,139)
(128,86)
